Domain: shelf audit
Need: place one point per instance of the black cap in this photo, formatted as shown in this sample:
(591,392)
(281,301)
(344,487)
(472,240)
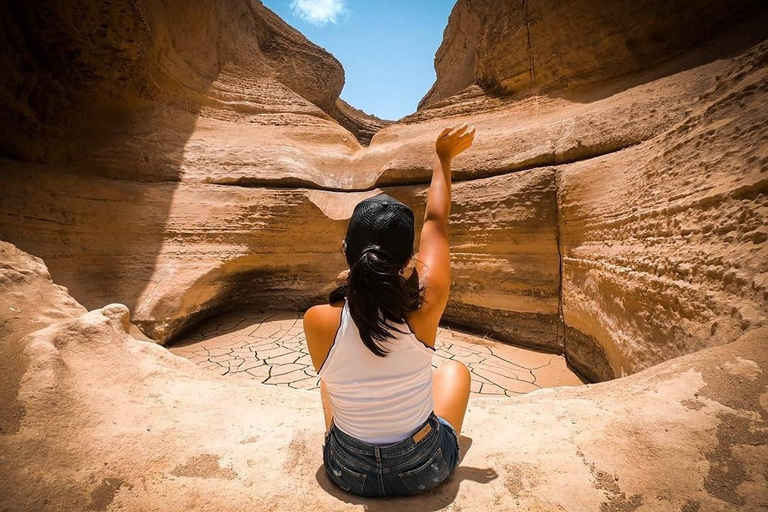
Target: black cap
(383,224)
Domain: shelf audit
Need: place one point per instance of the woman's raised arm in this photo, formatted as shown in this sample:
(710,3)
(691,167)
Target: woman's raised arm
(434,251)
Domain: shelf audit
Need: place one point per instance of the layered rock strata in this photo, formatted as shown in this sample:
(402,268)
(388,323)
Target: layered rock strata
(552,46)
(248,251)
(199,199)
(116,90)
(663,245)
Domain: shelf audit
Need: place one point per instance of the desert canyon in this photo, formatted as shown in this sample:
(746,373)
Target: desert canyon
(163,162)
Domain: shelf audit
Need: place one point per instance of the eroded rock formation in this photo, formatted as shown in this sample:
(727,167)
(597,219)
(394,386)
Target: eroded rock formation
(553,47)
(653,127)
(594,215)
(113,423)
(185,160)
(29,301)
(663,245)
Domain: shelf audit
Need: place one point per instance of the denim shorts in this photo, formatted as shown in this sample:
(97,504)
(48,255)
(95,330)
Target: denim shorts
(416,464)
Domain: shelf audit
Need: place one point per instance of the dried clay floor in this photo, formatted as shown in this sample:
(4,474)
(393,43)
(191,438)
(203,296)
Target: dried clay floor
(270,348)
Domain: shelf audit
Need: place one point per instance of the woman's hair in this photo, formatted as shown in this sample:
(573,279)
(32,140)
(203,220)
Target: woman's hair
(377,296)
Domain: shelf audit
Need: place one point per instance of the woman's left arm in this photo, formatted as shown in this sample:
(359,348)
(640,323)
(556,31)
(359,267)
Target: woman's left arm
(316,331)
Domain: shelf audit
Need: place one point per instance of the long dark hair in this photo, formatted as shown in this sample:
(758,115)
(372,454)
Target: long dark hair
(378,296)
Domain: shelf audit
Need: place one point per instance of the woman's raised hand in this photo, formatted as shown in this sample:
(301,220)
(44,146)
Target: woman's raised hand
(453,141)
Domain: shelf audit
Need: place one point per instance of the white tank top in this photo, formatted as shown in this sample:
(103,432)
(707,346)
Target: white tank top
(379,400)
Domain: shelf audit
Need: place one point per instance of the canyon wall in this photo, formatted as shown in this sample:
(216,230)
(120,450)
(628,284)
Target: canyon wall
(185,178)
(663,245)
(115,90)
(552,46)
(658,153)
(593,216)
(110,111)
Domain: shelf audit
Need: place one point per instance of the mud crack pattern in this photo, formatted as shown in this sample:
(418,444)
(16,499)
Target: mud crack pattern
(271,348)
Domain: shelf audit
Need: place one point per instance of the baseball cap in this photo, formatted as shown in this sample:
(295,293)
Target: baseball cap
(381,223)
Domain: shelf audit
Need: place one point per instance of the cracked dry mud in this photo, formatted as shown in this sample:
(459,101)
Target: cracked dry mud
(270,348)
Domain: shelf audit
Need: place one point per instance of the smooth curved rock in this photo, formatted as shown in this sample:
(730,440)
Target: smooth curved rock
(29,301)
(120,424)
(213,196)
(116,90)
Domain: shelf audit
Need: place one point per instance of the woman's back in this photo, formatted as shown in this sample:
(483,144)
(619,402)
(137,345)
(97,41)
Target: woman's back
(379,400)
(392,424)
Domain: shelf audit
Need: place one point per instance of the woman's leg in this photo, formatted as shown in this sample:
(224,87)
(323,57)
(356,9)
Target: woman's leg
(327,411)
(450,392)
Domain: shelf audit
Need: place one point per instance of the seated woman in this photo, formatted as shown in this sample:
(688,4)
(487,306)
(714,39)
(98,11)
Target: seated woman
(392,423)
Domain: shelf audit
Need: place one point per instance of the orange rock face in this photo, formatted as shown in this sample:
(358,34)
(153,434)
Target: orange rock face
(552,46)
(663,244)
(29,301)
(186,159)
(113,423)
(612,208)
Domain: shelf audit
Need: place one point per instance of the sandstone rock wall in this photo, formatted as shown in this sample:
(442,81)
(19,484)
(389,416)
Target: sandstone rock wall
(504,259)
(224,247)
(223,183)
(663,244)
(108,108)
(659,154)
(200,186)
(116,89)
(508,47)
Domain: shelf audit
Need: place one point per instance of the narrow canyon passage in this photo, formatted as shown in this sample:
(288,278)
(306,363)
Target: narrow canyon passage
(166,162)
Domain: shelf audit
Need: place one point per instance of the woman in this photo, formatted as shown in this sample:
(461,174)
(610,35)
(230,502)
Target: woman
(392,423)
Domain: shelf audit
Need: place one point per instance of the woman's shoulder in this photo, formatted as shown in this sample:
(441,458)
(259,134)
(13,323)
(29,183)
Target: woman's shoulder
(323,315)
(321,323)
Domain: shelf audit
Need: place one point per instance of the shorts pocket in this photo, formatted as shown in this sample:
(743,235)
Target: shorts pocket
(426,476)
(347,479)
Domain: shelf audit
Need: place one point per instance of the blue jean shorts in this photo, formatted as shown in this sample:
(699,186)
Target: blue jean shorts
(416,464)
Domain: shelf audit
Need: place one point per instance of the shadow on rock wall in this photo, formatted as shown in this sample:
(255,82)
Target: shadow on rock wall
(102,100)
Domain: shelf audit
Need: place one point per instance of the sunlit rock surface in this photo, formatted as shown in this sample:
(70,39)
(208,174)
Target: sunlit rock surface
(114,423)
(186,179)
(663,244)
(29,301)
(553,46)
(190,160)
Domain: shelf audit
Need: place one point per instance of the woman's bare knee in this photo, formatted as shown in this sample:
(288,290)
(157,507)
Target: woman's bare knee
(450,392)
(453,370)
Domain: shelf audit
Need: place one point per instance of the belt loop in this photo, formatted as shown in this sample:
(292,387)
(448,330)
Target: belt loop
(378,453)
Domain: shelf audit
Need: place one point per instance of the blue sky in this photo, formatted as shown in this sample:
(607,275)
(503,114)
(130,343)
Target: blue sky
(387,47)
